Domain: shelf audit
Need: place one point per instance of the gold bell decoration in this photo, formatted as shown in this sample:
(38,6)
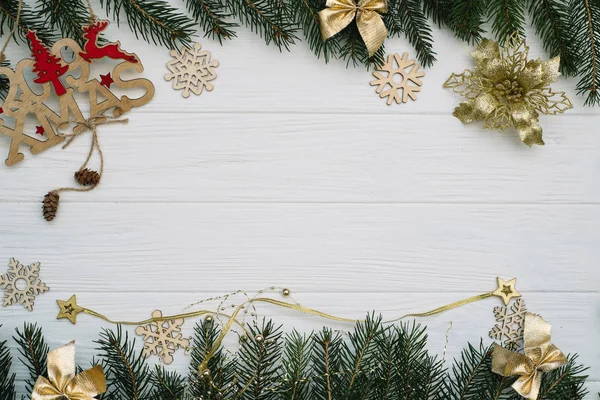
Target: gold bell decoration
(338,14)
(63,383)
(540,356)
(507,90)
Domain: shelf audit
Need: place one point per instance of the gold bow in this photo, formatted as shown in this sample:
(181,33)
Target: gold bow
(63,383)
(338,14)
(540,356)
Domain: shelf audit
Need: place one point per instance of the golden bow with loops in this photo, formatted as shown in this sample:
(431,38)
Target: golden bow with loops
(540,356)
(338,14)
(63,384)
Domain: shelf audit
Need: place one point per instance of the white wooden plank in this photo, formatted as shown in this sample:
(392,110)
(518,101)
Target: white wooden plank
(355,158)
(335,247)
(569,315)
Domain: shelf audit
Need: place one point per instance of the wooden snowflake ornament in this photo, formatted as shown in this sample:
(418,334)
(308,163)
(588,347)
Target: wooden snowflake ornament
(21,284)
(398,79)
(510,320)
(192,70)
(162,338)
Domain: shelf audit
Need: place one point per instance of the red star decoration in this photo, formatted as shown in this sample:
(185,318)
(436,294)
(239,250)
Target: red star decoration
(40,130)
(1,110)
(106,80)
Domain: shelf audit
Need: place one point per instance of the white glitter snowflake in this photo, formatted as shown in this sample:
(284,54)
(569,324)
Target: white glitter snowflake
(509,328)
(192,70)
(21,284)
(162,338)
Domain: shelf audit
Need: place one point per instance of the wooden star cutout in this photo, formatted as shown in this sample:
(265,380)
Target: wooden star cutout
(506,290)
(69,309)
(106,80)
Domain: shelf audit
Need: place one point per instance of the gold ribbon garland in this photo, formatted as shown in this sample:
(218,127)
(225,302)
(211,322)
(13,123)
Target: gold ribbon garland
(63,383)
(540,356)
(338,14)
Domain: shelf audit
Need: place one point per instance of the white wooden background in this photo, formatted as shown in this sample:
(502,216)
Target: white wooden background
(296,174)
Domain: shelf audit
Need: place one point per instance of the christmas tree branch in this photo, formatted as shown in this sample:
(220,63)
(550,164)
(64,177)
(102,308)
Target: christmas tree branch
(7,379)
(153,20)
(305,13)
(167,385)
(34,350)
(28,20)
(585,24)
(213,19)
(466,18)
(66,16)
(508,17)
(415,26)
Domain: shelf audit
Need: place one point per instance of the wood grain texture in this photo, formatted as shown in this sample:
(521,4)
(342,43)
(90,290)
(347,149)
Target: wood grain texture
(294,173)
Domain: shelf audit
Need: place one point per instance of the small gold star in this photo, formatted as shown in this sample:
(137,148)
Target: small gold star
(506,290)
(69,309)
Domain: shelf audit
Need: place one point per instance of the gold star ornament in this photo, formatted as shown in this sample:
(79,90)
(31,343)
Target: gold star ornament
(506,290)
(69,309)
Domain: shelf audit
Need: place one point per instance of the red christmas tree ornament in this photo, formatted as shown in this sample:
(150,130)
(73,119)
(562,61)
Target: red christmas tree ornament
(92,51)
(47,66)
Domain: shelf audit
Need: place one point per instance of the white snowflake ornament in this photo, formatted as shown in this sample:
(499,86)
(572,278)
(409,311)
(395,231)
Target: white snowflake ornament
(162,338)
(21,284)
(192,70)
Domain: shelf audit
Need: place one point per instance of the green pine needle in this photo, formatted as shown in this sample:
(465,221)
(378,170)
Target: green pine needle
(128,374)
(271,19)
(66,16)
(305,14)
(7,379)
(154,21)
(296,367)
(585,27)
(167,385)
(34,350)
(551,21)
(213,19)
(413,23)
(466,18)
(508,17)
(29,20)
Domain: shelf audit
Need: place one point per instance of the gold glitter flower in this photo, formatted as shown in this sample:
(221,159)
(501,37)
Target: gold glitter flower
(508,90)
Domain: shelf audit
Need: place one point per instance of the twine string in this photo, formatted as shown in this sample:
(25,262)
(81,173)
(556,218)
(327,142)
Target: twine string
(93,16)
(89,125)
(13,30)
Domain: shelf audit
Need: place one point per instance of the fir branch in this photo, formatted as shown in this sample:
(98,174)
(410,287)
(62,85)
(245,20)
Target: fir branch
(212,18)
(167,385)
(565,382)
(414,24)
(551,21)
(219,384)
(28,20)
(305,13)
(128,375)
(7,379)
(585,24)
(465,19)
(469,377)
(268,18)
(67,16)
(353,49)
(259,372)
(508,17)
(326,363)
(34,350)
(296,367)
(438,10)
(358,357)
(153,20)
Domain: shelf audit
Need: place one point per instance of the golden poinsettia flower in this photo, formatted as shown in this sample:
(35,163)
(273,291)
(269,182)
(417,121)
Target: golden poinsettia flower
(508,90)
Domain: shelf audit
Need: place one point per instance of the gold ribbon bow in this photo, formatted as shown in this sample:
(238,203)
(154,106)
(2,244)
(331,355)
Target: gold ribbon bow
(63,383)
(338,14)
(540,356)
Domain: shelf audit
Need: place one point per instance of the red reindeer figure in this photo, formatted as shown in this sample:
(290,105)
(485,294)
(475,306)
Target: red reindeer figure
(91,50)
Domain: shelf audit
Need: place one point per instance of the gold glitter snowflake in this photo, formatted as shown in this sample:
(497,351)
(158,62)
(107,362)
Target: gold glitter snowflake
(509,329)
(162,338)
(21,284)
(396,81)
(508,90)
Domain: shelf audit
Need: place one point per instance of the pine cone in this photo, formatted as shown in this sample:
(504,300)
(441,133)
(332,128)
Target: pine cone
(50,205)
(87,177)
